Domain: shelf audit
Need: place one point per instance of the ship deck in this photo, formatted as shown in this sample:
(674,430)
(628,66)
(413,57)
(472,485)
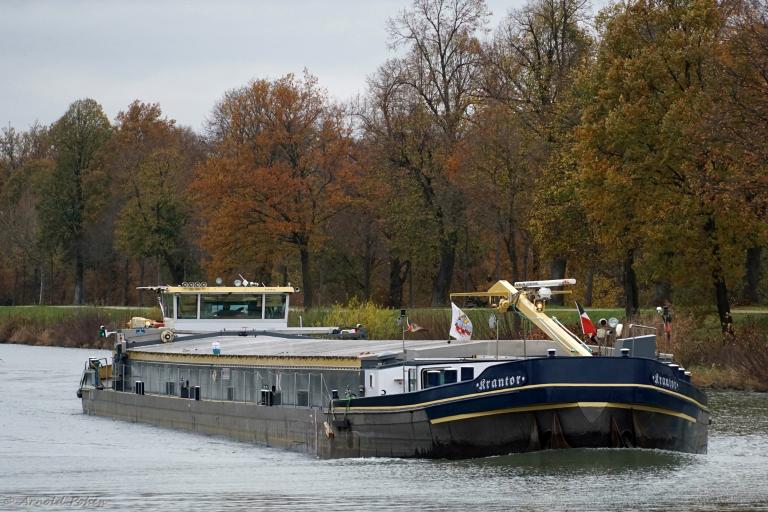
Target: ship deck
(276,346)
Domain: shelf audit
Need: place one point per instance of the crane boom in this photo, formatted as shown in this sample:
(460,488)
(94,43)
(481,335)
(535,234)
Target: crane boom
(506,292)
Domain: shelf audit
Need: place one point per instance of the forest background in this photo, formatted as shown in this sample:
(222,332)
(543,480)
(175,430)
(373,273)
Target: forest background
(626,149)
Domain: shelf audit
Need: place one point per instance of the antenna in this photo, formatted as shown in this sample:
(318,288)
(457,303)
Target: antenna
(245,281)
(544,284)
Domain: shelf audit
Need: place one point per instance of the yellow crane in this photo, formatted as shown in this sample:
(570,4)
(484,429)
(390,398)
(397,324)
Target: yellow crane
(529,297)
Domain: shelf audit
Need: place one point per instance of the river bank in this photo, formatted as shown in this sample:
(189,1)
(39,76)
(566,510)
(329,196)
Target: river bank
(716,362)
(64,326)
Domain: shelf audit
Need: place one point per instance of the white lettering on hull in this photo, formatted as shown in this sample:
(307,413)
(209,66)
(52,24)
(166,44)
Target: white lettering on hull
(508,381)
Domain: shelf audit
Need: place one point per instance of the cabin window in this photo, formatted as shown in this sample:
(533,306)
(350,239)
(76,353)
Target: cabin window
(467,373)
(431,377)
(235,306)
(275,307)
(187,307)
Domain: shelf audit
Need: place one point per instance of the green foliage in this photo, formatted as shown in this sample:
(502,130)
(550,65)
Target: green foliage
(75,189)
(379,322)
(152,220)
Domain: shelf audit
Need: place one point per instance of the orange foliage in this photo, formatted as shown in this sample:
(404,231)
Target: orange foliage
(280,169)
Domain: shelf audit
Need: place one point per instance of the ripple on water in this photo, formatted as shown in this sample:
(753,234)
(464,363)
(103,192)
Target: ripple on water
(48,448)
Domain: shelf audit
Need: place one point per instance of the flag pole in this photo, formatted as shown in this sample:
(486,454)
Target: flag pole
(405,357)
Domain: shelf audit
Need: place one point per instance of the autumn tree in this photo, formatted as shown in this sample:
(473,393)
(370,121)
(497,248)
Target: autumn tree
(419,108)
(25,163)
(151,161)
(529,71)
(498,163)
(279,171)
(742,117)
(74,192)
(659,180)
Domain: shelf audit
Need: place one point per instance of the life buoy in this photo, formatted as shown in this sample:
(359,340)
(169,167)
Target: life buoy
(167,336)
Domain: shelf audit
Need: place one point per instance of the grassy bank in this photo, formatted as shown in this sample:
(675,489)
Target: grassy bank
(64,326)
(736,362)
(716,361)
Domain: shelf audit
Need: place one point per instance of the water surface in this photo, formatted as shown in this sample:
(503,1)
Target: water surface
(50,451)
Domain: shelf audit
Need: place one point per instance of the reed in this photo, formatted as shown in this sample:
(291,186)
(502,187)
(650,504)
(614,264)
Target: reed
(739,361)
(64,326)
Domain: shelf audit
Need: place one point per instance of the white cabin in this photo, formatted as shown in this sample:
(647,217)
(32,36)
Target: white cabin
(216,308)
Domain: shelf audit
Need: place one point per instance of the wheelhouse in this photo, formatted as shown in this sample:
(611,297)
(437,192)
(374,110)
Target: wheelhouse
(224,307)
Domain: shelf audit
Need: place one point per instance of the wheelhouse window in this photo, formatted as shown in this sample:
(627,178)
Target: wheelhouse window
(167,302)
(236,306)
(187,307)
(275,307)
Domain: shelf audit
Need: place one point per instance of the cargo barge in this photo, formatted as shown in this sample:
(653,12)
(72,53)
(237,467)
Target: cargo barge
(222,363)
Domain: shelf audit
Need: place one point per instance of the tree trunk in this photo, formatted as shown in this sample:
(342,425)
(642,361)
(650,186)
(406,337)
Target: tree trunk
(126,282)
(40,295)
(398,274)
(175,267)
(557,271)
(723,305)
(662,293)
(589,287)
(306,277)
(526,258)
(411,291)
(629,282)
(141,281)
(369,263)
(79,276)
(535,264)
(442,284)
(753,275)
(510,246)
(718,280)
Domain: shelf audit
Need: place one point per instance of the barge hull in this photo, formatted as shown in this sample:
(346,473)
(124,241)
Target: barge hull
(296,429)
(406,434)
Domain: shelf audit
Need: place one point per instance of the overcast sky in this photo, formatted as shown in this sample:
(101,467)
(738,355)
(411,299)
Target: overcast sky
(182,54)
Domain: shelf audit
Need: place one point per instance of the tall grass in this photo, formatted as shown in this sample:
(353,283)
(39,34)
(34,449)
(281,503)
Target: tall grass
(739,361)
(64,326)
(381,323)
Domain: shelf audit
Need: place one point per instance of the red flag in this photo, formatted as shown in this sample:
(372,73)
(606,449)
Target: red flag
(587,327)
(414,327)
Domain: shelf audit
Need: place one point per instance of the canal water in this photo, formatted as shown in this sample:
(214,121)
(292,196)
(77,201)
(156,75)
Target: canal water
(52,457)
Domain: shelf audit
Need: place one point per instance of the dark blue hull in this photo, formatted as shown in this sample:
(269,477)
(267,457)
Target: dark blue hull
(530,405)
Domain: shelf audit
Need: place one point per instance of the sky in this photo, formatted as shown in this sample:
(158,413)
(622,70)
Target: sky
(183,55)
